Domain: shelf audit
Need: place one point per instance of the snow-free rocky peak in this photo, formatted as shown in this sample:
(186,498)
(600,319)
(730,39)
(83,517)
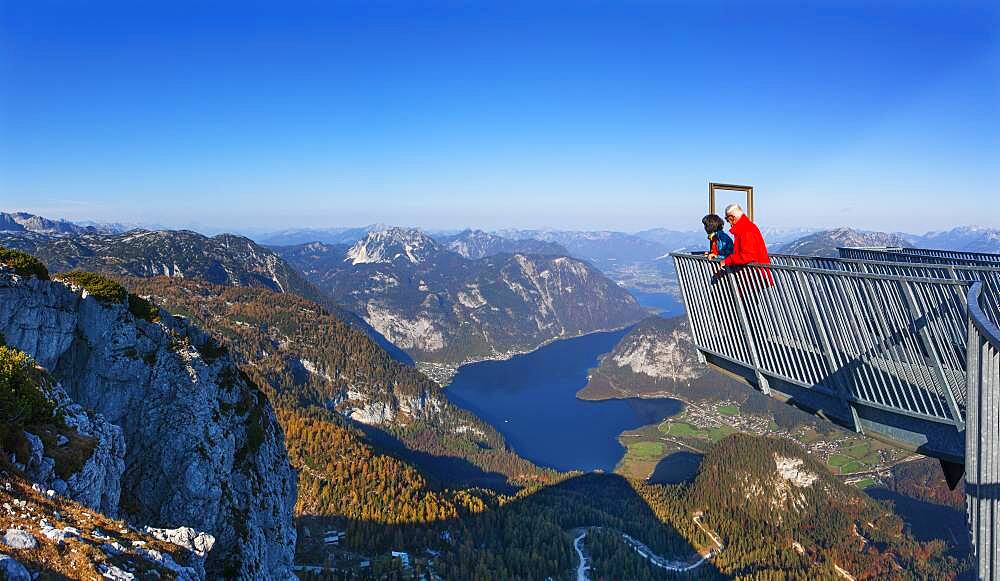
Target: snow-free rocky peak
(825,243)
(391,245)
(25,222)
(654,350)
(202,446)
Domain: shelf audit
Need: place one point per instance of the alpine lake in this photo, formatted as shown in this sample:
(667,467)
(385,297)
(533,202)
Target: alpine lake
(531,399)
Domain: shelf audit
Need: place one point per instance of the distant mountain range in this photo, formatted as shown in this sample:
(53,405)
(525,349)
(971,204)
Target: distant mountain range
(597,247)
(965,238)
(326,235)
(478,244)
(440,306)
(638,261)
(24,222)
(962,238)
(686,239)
(826,242)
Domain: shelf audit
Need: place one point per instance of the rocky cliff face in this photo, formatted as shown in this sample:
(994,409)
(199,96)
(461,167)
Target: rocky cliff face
(658,350)
(202,447)
(657,358)
(90,452)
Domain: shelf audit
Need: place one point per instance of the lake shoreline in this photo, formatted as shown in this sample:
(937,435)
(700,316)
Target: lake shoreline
(531,400)
(590,392)
(443,373)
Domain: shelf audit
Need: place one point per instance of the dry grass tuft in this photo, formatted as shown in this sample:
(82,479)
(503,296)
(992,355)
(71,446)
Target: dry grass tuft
(21,507)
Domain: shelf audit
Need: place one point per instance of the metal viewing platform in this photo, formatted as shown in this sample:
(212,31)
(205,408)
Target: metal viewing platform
(900,344)
(923,255)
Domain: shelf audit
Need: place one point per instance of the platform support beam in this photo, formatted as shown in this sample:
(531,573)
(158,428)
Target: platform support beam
(982,440)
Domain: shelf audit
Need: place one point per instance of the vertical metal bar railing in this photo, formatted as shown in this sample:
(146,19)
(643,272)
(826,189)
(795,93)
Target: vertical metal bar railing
(982,437)
(849,330)
(923,327)
(926,255)
(952,254)
(695,335)
(839,384)
(874,261)
(741,311)
(911,338)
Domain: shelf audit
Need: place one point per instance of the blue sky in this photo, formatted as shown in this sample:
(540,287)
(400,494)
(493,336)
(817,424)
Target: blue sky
(250,115)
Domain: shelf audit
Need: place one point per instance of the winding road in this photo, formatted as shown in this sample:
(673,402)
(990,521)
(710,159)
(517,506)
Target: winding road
(645,551)
(583,567)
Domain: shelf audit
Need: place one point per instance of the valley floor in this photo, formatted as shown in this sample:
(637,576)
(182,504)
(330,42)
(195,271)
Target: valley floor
(857,459)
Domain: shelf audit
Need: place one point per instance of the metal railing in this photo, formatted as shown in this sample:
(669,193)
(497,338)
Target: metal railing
(926,255)
(910,351)
(888,342)
(988,274)
(982,443)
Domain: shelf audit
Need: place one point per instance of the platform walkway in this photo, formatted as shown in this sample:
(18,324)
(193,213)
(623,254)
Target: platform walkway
(906,351)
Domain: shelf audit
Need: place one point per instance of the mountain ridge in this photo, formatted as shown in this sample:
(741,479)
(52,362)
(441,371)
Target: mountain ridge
(826,242)
(222,259)
(418,294)
(475,244)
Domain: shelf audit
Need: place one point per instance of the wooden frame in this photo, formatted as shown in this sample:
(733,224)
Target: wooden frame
(712,186)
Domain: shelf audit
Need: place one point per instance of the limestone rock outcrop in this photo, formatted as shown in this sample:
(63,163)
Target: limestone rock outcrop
(97,483)
(202,446)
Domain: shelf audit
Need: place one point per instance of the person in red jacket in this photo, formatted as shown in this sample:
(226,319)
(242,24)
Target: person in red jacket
(748,245)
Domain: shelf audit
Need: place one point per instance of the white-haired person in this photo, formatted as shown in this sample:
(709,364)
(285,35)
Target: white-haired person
(748,243)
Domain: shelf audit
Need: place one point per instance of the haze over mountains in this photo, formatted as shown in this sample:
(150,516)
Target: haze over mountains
(25,222)
(585,244)
(478,244)
(295,236)
(634,260)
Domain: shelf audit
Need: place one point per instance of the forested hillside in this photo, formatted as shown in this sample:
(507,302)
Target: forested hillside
(754,488)
(305,358)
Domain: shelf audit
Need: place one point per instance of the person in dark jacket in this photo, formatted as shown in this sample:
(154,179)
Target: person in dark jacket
(748,245)
(720,245)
